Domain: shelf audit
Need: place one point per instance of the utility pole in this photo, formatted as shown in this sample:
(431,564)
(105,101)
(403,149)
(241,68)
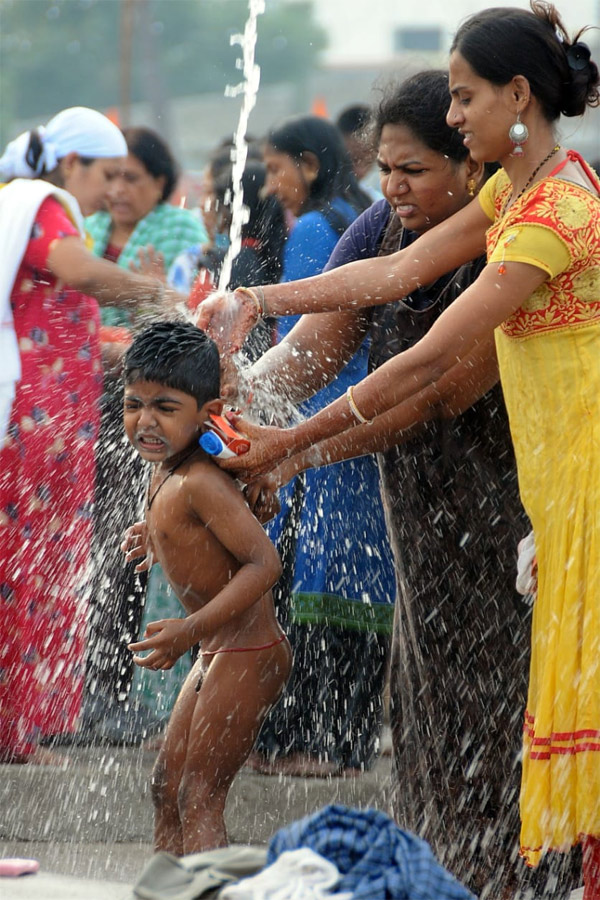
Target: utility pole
(154,82)
(125,60)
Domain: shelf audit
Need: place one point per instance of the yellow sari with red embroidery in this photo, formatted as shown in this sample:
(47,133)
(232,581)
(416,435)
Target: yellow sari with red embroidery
(549,356)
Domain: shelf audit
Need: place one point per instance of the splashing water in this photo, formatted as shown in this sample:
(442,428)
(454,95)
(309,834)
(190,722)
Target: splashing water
(249,89)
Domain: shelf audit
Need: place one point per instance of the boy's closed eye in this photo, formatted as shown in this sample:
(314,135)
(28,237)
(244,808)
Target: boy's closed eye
(133,405)
(166,408)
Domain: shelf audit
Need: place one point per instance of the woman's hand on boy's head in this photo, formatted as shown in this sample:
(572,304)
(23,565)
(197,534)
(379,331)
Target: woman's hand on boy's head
(136,544)
(228,318)
(167,639)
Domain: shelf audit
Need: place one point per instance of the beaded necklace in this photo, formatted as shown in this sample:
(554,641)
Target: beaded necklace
(510,200)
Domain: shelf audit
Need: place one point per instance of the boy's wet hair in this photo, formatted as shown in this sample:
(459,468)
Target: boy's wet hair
(178,355)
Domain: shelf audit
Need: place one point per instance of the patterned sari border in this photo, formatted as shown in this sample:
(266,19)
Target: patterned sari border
(560,742)
(328,609)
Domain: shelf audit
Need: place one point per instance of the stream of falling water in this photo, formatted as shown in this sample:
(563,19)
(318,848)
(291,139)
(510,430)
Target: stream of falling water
(248,87)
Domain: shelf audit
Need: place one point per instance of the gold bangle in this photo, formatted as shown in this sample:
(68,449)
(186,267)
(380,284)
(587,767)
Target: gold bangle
(254,297)
(354,408)
(263,300)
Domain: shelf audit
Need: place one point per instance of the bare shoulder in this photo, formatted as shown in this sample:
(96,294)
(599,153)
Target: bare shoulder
(209,488)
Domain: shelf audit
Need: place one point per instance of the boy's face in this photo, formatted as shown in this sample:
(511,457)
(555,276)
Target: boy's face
(160,421)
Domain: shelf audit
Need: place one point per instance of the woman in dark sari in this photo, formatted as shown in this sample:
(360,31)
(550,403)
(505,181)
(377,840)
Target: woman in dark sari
(449,486)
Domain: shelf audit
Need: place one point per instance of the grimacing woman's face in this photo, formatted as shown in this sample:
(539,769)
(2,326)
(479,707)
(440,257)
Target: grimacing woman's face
(423,187)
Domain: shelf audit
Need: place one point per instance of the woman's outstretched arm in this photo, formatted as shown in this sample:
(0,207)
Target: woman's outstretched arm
(359,284)
(467,324)
(310,355)
(70,260)
(462,386)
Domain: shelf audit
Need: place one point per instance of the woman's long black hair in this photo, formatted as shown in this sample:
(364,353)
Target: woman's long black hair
(265,225)
(312,134)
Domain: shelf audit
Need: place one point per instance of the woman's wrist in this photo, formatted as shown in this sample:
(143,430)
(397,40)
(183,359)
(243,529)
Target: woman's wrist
(331,420)
(260,291)
(257,297)
(301,438)
(362,420)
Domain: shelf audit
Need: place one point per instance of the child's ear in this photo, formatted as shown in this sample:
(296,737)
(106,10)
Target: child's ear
(211,407)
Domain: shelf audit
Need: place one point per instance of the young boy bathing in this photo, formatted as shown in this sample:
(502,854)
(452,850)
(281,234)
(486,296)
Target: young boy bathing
(221,565)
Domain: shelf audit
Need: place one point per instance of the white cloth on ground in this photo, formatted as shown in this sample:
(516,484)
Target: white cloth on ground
(296,875)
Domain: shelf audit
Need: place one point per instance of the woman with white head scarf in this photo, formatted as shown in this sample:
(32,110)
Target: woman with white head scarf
(50,383)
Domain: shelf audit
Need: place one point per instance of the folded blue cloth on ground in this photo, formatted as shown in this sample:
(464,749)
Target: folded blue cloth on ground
(377,860)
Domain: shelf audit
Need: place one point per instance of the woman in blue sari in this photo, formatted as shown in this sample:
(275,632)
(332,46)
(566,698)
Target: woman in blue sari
(337,591)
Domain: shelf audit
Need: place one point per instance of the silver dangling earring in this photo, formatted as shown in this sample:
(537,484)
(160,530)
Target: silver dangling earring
(518,133)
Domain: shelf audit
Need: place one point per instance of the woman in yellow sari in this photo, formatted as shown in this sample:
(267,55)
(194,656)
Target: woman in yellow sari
(512,73)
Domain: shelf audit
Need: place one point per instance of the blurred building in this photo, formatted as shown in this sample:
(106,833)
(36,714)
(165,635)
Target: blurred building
(369,44)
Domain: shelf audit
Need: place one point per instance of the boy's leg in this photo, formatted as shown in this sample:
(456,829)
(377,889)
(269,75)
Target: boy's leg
(237,692)
(168,770)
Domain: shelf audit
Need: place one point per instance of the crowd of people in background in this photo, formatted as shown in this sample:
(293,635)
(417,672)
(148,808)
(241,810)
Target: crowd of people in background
(131,225)
(398,562)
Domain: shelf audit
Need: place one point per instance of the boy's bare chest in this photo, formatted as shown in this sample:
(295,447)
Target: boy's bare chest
(185,547)
(171,523)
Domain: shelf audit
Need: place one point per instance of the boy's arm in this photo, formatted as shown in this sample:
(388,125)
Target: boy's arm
(220,506)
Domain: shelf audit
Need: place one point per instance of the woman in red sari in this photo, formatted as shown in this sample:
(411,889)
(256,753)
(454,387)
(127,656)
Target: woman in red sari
(51,365)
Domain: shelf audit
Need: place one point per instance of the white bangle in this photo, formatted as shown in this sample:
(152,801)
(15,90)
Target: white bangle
(354,408)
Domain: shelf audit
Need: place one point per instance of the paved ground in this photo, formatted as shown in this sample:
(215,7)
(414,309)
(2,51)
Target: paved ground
(61,887)
(90,825)
(102,796)
(107,869)
(45,886)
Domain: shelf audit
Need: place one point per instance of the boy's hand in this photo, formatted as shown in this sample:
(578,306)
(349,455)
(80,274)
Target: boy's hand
(168,639)
(136,544)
